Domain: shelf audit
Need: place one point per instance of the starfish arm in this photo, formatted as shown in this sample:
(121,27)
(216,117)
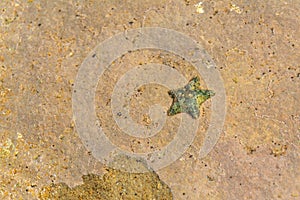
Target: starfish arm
(171,93)
(193,111)
(194,84)
(175,109)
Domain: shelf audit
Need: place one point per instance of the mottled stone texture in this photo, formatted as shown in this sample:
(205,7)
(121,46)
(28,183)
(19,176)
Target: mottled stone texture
(255,45)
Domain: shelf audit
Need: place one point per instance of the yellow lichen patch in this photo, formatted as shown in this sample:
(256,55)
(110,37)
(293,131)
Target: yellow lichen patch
(71,81)
(14,155)
(146,120)
(199,7)
(10,148)
(279,149)
(5,92)
(6,148)
(250,149)
(63,45)
(235,8)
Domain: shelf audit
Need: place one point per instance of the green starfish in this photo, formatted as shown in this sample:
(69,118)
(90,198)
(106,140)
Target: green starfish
(189,98)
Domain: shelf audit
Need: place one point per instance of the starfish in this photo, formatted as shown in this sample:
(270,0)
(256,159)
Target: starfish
(189,98)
